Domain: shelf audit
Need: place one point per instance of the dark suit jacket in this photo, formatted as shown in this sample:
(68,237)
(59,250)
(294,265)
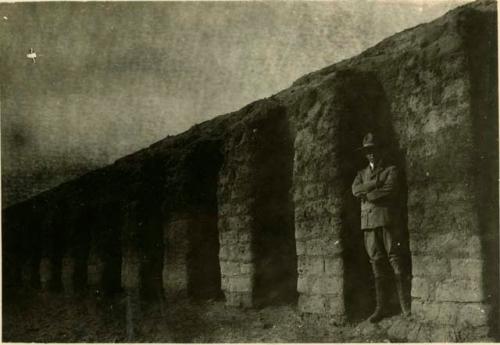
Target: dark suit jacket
(378,191)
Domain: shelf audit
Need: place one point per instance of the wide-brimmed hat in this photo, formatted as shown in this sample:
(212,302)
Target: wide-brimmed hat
(369,142)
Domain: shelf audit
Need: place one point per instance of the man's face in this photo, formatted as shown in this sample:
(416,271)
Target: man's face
(372,156)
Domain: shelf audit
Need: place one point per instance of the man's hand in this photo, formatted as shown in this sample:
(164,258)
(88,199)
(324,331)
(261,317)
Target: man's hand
(360,188)
(387,188)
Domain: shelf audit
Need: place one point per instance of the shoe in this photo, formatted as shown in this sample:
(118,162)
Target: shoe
(381,300)
(404,296)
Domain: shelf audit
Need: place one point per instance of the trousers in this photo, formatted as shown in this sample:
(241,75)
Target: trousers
(381,243)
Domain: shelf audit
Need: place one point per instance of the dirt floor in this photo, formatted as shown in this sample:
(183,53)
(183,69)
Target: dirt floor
(55,318)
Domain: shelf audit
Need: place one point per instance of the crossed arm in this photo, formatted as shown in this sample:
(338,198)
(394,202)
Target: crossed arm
(376,189)
(360,188)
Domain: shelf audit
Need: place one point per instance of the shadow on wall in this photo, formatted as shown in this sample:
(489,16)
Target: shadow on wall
(481,41)
(366,110)
(274,238)
(152,247)
(79,241)
(21,250)
(108,237)
(204,276)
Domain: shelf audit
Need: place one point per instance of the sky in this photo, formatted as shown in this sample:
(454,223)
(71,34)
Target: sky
(111,78)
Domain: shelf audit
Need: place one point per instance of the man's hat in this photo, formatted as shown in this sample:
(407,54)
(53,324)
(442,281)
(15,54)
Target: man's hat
(369,142)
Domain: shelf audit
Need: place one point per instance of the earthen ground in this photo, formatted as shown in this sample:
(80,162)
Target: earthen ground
(50,318)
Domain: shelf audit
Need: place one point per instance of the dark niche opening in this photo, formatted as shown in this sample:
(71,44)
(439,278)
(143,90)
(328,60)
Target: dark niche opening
(78,244)
(33,251)
(51,247)
(150,242)
(274,234)
(111,253)
(203,267)
(12,228)
(20,251)
(144,236)
(104,244)
(366,110)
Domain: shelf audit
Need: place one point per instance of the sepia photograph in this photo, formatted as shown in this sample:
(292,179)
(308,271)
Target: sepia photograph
(249,171)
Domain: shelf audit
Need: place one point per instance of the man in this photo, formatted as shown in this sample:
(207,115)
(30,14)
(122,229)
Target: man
(377,186)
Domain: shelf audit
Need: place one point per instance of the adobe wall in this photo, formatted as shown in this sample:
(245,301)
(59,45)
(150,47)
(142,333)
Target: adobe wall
(333,268)
(257,255)
(256,205)
(441,102)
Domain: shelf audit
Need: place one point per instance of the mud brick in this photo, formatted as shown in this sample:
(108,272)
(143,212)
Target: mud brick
(456,290)
(244,236)
(334,266)
(447,314)
(417,306)
(471,269)
(449,244)
(335,305)
(224,283)
(300,247)
(316,247)
(229,268)
(238,223)
(328,285)
(307,264)
(240,284)
(225,251)
(304,283)
(242,253)
(315,190)
(428,265)
(228,237)
(247,268)
(225,209)
(474,314)
(420,288)
(305,230)
(333,246)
